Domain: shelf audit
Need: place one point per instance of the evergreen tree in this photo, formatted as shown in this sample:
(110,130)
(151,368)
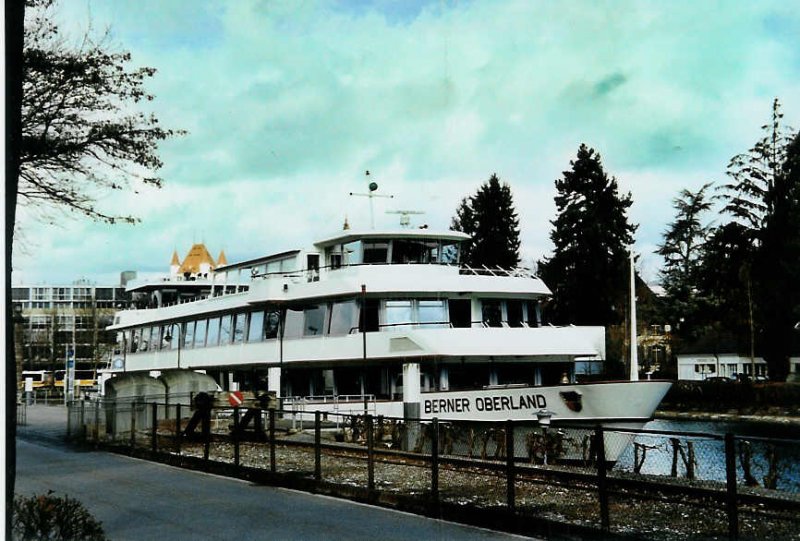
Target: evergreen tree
(588,271)
(763,199)
(682,250)
(777,265)
(490,219)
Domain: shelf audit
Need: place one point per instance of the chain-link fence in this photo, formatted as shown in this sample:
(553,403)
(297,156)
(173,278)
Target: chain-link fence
(659,484)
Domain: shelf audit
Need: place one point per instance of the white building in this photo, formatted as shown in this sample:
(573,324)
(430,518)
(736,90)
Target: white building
(700,366)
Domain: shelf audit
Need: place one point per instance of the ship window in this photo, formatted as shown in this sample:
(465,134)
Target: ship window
(212,338)
(344,317)
(492,314)
(432,314)
(238,328)
(314,320)
(409,251)
(225,331)
(534,314)
(398,314)
(188,340)
(175,336)
(336,261)
(449,253)
(271,324)
(376,251)
(460,312)
(144,344)
(294,323)
(200,333)
(352,252)
(514,311)
(255,333)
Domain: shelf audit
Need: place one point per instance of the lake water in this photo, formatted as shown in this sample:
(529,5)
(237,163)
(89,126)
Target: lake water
(710,452)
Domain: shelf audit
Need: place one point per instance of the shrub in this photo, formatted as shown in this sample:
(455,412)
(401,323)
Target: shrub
(53,518)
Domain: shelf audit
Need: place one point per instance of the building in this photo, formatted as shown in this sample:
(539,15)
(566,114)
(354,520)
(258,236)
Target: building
(59,318)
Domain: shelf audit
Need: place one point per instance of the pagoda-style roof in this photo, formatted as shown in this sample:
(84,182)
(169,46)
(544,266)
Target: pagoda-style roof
(198,254)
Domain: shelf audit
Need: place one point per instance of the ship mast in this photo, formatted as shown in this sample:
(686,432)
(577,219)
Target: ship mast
(372,187)
(634,352)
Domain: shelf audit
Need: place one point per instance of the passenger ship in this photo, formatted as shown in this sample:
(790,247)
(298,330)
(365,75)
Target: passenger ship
(383,320)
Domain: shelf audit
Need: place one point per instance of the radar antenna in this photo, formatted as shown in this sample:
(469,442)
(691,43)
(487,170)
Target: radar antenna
(405,221)
(372,186)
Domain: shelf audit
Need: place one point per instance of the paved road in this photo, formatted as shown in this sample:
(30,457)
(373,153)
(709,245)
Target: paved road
(140,500)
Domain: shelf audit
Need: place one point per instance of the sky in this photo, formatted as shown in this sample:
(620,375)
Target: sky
(288,103)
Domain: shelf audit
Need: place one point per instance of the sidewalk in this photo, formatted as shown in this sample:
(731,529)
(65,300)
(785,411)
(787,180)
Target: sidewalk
(44,423)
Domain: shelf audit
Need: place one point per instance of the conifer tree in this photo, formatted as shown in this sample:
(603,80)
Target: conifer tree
(682,250)
(490,219)
(587,272)
(762,198)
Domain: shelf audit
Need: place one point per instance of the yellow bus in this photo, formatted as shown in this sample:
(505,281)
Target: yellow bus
(85,380)
(42,379)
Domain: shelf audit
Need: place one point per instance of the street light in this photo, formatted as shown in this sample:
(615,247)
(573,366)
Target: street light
(543,416)
(168,338)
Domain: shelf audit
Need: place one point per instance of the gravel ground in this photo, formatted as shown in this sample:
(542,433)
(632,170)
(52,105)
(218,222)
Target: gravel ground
(649,516)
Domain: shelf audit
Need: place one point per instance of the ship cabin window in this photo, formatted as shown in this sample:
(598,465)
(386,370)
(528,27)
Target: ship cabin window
(255,332)
(375,251)
(293,324)
(314,320)
(460,312)
(534,318)
(401,313)
(271,324)
(212,336)
(200,333)
(188,338)
(432,314)
(491,310)
(397,314)
(225,329)
(176,336)
(344,317)
(238,327)
(514,313)
(335,261)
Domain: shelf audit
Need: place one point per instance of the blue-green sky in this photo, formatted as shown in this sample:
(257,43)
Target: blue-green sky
(287,103)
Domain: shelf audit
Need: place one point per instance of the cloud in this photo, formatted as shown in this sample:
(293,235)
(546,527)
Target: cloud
(287,103)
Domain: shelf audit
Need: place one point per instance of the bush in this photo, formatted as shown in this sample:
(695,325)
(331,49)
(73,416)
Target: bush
(53,518)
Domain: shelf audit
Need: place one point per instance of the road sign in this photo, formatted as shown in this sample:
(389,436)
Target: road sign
(235,398)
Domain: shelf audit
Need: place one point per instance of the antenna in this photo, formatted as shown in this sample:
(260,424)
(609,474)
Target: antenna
(405,221)
(372,186)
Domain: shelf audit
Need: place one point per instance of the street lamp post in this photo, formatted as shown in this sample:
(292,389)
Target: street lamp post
(168,338)
(543,416)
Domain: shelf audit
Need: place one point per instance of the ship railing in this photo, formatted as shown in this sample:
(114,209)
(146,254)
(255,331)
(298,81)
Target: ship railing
(517,272)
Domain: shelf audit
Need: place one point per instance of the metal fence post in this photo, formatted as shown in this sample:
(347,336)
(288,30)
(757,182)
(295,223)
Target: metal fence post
(207,433)
(271,439)
(510,473)
(69,420)
(83,420)
(97,422)
(370,453)
(236,436)
(178,428)
(133,425)
(602,488)
(317,446)
(435,459)
(154,429)
(731,500)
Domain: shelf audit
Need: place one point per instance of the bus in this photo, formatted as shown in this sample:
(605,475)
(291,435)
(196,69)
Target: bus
(85,380)
(42,379)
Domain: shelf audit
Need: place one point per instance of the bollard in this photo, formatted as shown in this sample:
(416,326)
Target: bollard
(731,500)
(236,436)
(154,429)
(370,454)
(178,428)
(510,473)
(435,459)
(602,488)
(272,440)
(317,446)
